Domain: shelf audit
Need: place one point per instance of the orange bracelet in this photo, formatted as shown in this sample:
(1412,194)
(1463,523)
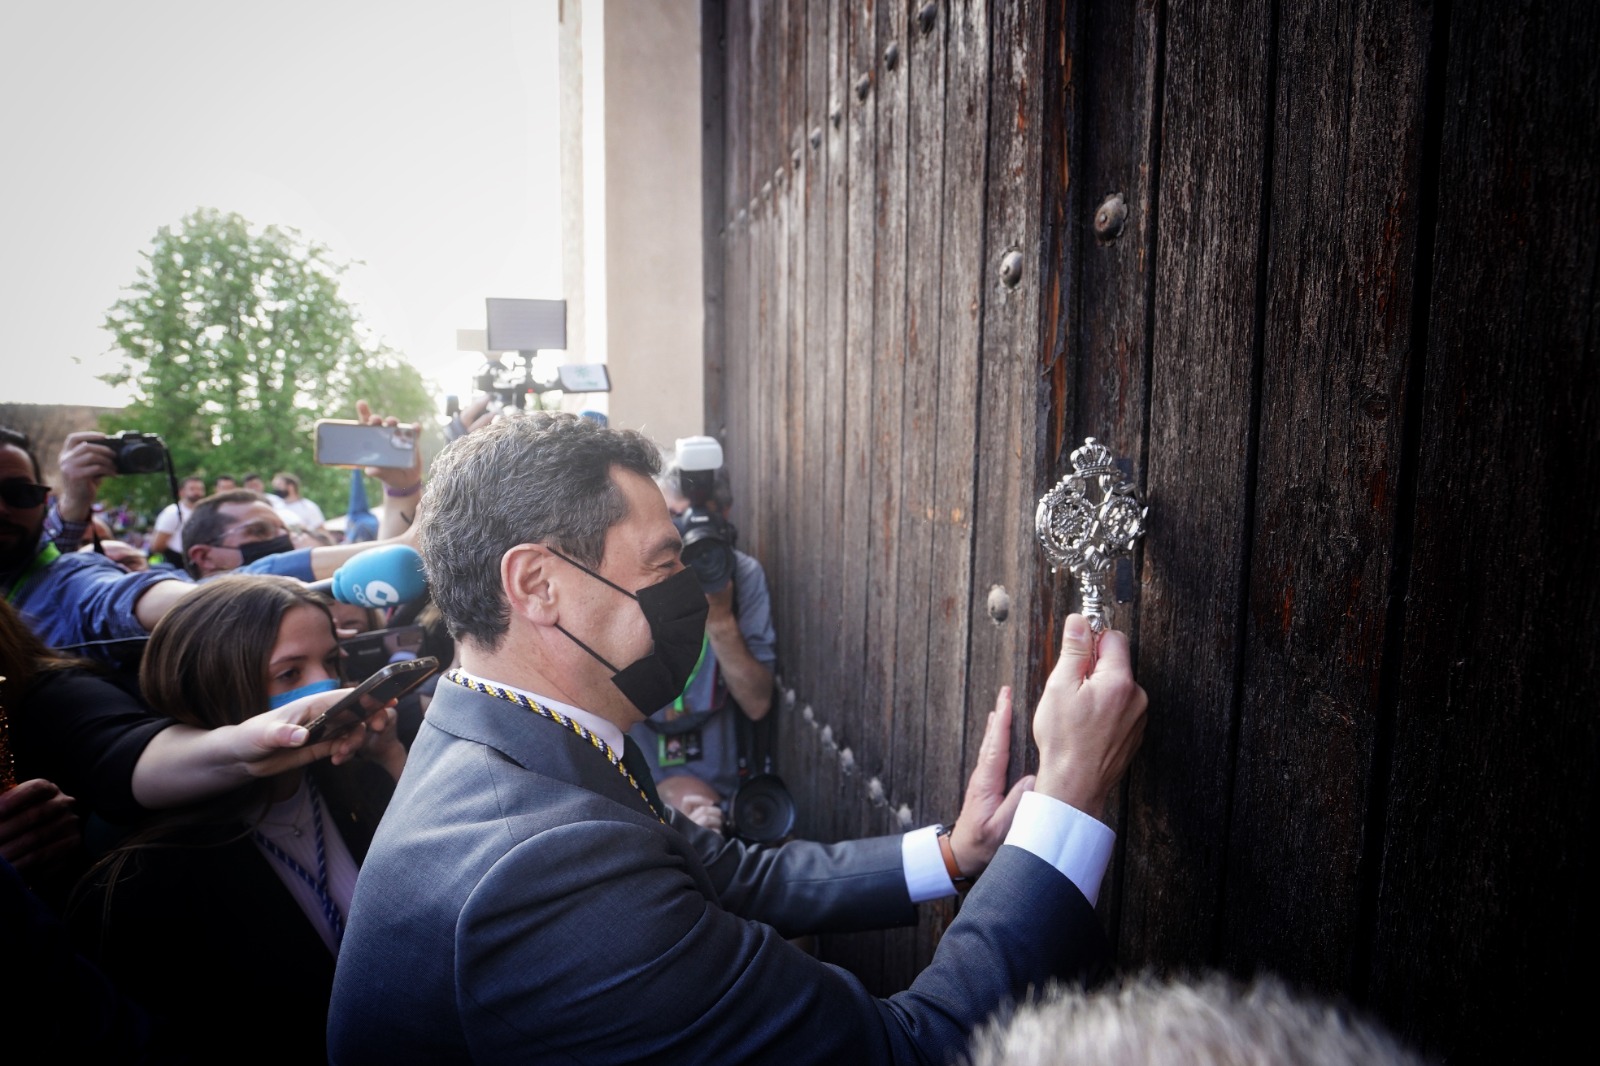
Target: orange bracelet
(950,865)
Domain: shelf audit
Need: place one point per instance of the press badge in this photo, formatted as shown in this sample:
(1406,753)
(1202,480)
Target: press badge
(679,748)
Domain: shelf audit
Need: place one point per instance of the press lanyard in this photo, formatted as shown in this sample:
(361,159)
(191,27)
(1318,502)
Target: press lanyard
(318,884)
(49,555)
(597,741)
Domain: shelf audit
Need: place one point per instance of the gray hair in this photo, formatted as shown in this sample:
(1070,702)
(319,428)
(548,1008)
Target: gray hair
(544,478)
(1149,1022)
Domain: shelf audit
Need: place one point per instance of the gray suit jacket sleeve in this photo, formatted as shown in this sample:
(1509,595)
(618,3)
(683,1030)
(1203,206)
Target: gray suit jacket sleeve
(521,903)
(804,887)
(658,973)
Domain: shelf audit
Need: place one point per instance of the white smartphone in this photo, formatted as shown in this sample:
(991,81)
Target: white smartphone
(355,444)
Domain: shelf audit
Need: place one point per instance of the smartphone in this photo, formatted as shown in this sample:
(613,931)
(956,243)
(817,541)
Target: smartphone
(389,683)
(355,444)
(367,653)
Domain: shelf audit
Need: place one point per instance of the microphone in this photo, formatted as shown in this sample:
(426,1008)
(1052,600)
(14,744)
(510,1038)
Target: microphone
(379,577)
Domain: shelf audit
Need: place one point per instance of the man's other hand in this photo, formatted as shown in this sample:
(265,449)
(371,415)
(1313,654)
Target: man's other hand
(988,808)
(1090,719)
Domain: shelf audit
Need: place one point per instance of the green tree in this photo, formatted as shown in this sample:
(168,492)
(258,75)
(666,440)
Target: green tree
(235,340)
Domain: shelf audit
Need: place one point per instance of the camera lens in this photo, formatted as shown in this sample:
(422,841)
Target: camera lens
(710,558)
(141,458)
(763,810)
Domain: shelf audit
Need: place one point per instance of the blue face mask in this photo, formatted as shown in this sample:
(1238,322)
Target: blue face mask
(293,694)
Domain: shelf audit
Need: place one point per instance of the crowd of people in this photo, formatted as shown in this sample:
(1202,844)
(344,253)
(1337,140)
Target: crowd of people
(527,857)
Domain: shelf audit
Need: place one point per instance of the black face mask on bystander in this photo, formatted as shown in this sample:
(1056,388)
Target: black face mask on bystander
(262,548)
(676,611)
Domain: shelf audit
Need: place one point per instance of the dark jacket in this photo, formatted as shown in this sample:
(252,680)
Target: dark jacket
(204,934)
(521,903)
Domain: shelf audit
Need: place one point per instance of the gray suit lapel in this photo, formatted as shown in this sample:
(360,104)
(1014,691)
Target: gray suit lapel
(532,742)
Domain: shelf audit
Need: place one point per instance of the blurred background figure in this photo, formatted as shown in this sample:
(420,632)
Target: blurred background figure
(1212,1021)
(288,486)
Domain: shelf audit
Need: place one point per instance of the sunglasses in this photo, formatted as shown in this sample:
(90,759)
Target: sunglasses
(20,493)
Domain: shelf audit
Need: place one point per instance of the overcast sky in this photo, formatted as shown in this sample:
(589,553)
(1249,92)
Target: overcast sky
(419,138)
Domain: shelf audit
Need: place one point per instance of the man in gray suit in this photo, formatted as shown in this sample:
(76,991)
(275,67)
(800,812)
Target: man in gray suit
(527,898)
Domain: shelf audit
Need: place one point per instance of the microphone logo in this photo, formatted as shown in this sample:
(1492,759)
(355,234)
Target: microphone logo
(377,594)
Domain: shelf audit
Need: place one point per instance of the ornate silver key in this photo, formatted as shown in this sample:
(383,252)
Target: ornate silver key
(1092,518)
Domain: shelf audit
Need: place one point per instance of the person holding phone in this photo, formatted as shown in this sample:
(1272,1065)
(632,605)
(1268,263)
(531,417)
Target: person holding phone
(217,908)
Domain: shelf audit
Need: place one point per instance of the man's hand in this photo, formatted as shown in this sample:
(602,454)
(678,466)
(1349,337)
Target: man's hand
(1090,719)
(747,678)
(988,808)
(472,416)
(38,826)
(720,603)
(703,812)
(84,462)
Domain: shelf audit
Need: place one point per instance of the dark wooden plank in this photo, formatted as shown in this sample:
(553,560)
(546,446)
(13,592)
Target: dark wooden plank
(1120,114)
(1102,195)
(860,268)
(789,429)
(1214,114)
(735,261)
(1485,922)
(966,114)
(714,132)
(877,703)
(1338,314)
(748,457)
(881,506)
(923,56)
(813,635)
(1010,460)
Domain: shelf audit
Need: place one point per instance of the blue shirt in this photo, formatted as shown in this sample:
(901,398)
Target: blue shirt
(84,603)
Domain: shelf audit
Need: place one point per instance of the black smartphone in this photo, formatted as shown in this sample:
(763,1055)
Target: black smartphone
(367,653)
(390,683)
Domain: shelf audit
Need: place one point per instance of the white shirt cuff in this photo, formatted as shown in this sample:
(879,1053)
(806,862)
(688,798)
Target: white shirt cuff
(926,877)
(1066,838)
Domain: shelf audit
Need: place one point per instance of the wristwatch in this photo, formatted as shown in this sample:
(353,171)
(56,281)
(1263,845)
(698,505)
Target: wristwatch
(959,879)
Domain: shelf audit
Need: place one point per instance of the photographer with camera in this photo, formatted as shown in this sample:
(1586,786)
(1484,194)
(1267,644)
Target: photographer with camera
(699,746)
(84,603)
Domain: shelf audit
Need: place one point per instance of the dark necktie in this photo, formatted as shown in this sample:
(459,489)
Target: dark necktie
(636,764)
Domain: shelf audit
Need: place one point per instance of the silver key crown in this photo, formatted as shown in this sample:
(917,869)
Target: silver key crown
(1092,518)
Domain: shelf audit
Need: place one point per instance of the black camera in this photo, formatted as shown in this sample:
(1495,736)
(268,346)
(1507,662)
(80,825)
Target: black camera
(708,538)
(761,811)
(138,453)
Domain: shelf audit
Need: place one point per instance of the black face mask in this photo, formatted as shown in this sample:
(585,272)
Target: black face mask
(263,548)
(676,610)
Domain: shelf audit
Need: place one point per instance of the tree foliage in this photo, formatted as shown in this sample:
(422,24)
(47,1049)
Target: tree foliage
(235,340)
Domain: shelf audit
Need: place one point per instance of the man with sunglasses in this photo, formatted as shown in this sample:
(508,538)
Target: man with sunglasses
(82,602)
(79,601)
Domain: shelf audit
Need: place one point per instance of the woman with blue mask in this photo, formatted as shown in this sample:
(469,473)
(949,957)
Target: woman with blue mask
(219,909)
